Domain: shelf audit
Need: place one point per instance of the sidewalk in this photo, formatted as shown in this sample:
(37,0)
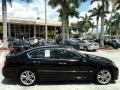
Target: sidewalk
(2,56)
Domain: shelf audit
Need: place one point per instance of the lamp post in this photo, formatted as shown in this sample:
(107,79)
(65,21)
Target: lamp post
(46,31)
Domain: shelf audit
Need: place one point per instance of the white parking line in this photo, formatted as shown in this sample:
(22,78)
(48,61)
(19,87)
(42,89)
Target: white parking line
(2,57)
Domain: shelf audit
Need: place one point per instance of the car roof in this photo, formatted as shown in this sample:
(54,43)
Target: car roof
(49,46)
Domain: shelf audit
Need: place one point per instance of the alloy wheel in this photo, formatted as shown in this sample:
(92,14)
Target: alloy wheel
(104,77)
(27,78)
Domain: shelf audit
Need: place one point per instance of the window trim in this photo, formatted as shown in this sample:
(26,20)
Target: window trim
(40,58)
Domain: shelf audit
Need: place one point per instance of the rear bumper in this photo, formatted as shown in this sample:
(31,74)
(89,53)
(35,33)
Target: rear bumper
(10,73)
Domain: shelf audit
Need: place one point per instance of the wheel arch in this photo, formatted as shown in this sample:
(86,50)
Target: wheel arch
(28,69)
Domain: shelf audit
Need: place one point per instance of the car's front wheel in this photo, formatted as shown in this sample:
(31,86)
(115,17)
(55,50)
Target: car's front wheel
(103,77)
(27,77)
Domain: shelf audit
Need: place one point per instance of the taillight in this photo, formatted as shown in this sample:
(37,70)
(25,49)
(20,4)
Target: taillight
(5,62)
(12,49)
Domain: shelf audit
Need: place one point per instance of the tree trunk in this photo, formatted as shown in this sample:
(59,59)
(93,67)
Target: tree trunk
(85,34)
(63,21)
(46,29)
(110,34)
(102,31)
(97,30)
(67,25)
(118,31)
(4,17)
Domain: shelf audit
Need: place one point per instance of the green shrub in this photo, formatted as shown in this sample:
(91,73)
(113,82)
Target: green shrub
(105,46)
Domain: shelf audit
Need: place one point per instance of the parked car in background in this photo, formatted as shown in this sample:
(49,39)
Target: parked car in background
(11,41)
(51,42)
(42,42)
(33,42)
(19,46)
(115,43)
(72,43)
(88,45)
(50,62)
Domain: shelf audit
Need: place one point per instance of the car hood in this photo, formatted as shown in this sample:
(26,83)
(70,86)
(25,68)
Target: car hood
(98,59)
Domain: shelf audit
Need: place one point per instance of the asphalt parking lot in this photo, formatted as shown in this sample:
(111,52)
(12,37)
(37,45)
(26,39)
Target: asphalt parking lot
(70,85)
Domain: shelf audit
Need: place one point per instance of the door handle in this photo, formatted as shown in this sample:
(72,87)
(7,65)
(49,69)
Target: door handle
(63,63)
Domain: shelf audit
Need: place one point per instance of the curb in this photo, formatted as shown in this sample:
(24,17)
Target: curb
(5,49)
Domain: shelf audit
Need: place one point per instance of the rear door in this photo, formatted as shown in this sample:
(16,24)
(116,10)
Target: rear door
(45,62)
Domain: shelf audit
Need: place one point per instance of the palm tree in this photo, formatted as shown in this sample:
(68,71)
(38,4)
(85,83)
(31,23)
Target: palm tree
(117,4)
(46,31)
(116,22)
(63,6)
(103,12)
(96,12)
(86,22)
(109,27)
(4,17)
(70,12)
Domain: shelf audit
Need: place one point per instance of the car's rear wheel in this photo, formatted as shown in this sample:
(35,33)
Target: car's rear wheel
(27,77)
(103,77)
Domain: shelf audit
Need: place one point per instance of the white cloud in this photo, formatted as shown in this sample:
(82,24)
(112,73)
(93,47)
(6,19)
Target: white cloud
(37,9)
(31,10)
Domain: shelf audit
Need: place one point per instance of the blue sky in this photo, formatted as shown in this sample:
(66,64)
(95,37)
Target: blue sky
(36,9)
(85,6)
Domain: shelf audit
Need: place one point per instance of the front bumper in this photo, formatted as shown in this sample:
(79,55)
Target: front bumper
(115,73)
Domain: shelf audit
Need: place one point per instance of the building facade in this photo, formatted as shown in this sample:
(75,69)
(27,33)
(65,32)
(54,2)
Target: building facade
(28,28)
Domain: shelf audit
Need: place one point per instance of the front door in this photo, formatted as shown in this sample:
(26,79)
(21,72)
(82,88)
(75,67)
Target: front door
(74,65)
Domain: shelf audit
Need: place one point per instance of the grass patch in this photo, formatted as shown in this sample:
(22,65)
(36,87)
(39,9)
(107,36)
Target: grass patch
(105,47)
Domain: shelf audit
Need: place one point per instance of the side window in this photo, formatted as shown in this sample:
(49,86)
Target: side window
(44,53)
(65,54)
(36,54)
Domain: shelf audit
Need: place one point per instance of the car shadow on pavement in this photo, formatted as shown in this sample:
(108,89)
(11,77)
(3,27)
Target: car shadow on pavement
(9,82)
(15,82)
(64,83)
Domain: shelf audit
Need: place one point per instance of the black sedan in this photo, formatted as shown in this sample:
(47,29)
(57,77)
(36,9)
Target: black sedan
(50,62)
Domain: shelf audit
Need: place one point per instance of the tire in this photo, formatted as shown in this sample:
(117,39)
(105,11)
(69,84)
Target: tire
(103,77)
(85,48)
(27,78)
